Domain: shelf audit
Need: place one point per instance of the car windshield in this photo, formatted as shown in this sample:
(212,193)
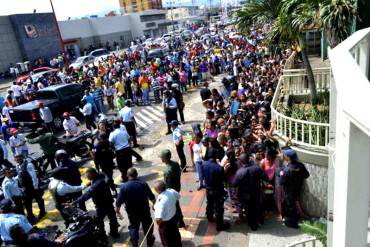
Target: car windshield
(99,53)
(80,59)
(46,95)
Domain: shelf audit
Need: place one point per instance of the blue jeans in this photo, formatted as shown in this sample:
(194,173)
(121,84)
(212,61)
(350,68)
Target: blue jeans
(198,166)
(99,106)
(146,97)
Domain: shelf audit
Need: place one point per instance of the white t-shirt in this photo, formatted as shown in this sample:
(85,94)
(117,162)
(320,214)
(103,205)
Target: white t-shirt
(16,90)
(197,152)
(71,126)
(165,206)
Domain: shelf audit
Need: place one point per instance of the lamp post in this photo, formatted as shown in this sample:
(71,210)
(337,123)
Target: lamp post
(59,35)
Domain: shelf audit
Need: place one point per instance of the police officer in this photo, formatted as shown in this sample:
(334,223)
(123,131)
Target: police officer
(179,101)
(172,178)
(46,141)
(103,156)
(248,180)
(29,183)
(291,178)
(119,138)
(62,191)
(128,120)
(177,138)
(103,200)
(214,178)
(72,175)
(135,194)
(170,109)
(12,191)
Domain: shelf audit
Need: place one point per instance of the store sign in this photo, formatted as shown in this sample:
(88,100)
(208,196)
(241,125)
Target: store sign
(31,31)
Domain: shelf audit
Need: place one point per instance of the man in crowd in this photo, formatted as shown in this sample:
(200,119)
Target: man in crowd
(135,194)
(12,191)
(29,183)
(170,109)
(46,116)
(71,125)
(119,138)
(103,200)
(128,120)
(214,178)
(177,138)
(17,143)
(87,111)
(165,215)
(179,101)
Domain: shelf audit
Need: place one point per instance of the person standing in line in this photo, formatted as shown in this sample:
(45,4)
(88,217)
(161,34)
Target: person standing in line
(29,183)
(291,178)
(103,200)
(119,138)
(46,116)
(196,149)
(165,215)
(177,138)
(248,180)
(172,178)
(135,194)
(87,111)
(214,177)
(170,109)
(177,94)
(128,120)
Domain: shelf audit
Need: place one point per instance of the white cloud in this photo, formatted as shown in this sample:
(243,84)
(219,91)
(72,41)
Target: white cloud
(63,8)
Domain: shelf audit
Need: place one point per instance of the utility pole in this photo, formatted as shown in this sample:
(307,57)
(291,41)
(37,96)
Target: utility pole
(59,35)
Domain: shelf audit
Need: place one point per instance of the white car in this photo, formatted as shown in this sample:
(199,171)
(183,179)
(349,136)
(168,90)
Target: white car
(81,61)
(166,37)
(102,59)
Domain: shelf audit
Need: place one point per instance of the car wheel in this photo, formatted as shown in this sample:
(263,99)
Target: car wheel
(58,122)
(84,150)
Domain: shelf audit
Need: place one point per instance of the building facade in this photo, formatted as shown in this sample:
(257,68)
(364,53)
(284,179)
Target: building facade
(132,6)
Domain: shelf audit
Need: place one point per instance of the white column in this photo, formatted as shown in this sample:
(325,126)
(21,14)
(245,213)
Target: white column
(351,189)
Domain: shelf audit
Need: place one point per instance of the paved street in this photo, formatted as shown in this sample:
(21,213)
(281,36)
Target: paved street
(198,232)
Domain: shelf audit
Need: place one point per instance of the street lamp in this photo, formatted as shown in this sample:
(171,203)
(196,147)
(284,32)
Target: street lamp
(59,35)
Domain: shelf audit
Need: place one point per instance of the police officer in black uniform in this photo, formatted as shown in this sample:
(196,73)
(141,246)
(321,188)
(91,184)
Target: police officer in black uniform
(248,181)
(170,109)
(135,194)
(177,94)
(103,200)
(291,178)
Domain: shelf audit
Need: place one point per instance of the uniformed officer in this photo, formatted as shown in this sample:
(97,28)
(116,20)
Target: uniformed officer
(135,194)
(165,215)
(61,191)
(128,120)
(9,219)
(291,178)
(103,200)
(72,174)
(12,191)
(119,138)
(170,109)
(177,138)
(248,180)
(172,178)
(179,101)
(214,178)
(29,183)
(103,156)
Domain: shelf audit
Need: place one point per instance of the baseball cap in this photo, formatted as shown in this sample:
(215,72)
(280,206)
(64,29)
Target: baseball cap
(290,153)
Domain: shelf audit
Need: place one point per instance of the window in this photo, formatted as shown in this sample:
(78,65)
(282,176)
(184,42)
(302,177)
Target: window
(155,17)
(150,24)
(46,95)
(69,90)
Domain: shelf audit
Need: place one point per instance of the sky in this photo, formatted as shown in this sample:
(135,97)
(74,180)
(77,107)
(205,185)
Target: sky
(63,8)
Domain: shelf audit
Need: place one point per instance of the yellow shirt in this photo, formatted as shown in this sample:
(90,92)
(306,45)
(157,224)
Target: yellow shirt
(120,87)
(98,81)
(144,82)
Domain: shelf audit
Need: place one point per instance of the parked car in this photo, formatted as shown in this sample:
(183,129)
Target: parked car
(35,74)
(167,37)
(81,61)
(59,98)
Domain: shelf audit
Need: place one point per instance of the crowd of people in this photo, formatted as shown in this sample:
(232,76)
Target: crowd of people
(234,151)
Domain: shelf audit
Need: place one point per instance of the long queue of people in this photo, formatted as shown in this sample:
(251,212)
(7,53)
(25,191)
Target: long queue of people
(234,151)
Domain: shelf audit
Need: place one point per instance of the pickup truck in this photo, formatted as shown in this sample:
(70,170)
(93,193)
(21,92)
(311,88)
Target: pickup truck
(59,98)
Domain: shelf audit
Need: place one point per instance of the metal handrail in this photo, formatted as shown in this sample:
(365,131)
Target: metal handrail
(303,243)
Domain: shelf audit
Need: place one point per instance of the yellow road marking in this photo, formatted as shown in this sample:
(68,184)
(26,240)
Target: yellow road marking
(126,243)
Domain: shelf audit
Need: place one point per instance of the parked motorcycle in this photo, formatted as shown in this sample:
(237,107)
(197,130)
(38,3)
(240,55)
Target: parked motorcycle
(79,146)
(82,231)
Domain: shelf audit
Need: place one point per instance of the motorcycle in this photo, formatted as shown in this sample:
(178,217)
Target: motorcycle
(82,231)
(79,145)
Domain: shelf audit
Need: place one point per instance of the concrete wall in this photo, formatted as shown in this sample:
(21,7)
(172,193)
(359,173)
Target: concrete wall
(9,49)
(45,43)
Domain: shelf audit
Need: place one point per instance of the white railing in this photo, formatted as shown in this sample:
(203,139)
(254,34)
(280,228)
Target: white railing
(305,133)
(311,242)
(296,82)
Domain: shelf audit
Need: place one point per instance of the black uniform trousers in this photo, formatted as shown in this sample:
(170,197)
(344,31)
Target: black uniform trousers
(137,217)
(254,213)
(131,130)
(181,154)
(29,195)
(169,233)
(124,161)
(19,209)
(215,206)
(181,113)
(289,208)
(90,123)
(101,213)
